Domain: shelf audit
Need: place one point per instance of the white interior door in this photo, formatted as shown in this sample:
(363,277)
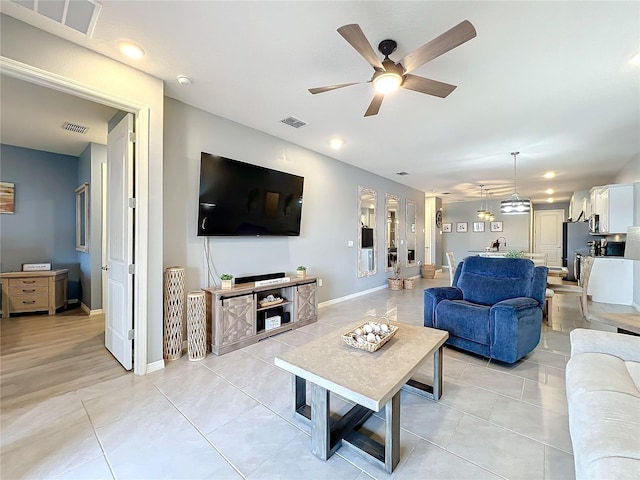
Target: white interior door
(119,303)
(547,234)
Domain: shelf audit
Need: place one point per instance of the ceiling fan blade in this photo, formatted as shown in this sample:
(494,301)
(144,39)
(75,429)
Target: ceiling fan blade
(332,87)
(353,34)
(374,106)
(428,86)
(449,40)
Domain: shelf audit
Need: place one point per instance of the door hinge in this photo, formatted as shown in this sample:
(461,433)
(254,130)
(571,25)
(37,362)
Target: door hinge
(133,203)
(130,334)
(132,269)
(132,137)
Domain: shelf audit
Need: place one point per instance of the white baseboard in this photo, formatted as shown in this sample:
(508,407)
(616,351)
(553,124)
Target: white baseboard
(90,312)
(349,297)
(155,366)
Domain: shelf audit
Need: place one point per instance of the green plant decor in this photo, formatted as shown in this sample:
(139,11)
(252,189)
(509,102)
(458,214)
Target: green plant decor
(226,276)
(514,254)
(302,268)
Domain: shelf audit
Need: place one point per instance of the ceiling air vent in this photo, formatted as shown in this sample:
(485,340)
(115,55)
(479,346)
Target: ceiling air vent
(294,122)
(73,127)
(402,174)
(80,15)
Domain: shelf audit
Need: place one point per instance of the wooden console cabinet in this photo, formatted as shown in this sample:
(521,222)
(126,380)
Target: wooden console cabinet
(236,319)
(24,292)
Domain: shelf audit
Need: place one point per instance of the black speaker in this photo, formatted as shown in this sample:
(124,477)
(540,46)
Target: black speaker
(257,278)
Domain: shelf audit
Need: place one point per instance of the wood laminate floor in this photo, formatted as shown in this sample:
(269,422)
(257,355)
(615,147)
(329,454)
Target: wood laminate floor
(43,356)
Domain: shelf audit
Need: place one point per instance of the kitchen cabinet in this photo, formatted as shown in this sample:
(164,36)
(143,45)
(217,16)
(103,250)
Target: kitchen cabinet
(593,200)
(615,208)
(611,280)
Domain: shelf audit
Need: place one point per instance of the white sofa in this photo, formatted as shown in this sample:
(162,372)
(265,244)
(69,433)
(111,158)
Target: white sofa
(603,394)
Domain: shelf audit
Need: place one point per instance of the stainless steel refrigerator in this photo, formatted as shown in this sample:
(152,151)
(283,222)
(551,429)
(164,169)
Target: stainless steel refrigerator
(575,236)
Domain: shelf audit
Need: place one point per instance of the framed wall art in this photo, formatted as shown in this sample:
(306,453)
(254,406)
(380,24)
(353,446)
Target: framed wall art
(496,226)
(461,227)
(478,226)
(446,227)
(7,197)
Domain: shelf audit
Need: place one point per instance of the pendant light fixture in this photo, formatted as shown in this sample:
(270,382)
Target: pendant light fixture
(514,205)
(489,216)
(481,212)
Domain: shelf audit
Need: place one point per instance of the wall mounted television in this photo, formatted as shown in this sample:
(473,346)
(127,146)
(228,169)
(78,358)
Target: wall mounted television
(240,199)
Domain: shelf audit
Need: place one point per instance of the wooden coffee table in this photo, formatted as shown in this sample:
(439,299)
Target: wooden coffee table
(372,380)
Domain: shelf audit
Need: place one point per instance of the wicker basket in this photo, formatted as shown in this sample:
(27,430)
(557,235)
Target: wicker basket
(428,270)
(395,283)
(409,283)
(268,304)
(349,338)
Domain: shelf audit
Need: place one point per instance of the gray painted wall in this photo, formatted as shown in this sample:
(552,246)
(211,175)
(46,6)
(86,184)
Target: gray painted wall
(329,215)
(515,230)
(89,170)
(42,229)
(553,206)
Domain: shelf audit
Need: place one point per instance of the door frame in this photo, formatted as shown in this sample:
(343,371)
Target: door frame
(141,113)
(534,245)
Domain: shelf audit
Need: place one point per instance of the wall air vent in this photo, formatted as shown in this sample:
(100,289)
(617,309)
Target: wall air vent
(80,15)
(294,122)
(73,127)
(402,174)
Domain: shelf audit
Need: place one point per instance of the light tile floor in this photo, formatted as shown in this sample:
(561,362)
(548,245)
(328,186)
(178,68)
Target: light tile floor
(229,417)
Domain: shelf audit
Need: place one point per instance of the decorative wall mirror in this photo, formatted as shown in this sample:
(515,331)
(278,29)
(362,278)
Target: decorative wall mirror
(82,218)
(367,201)
(391,232)
(411,233)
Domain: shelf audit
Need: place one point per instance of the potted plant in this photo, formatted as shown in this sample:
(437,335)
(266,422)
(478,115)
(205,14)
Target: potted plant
(395,282)
(227,280)
(301,271)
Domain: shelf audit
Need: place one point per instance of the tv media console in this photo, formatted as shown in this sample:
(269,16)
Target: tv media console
(239,316)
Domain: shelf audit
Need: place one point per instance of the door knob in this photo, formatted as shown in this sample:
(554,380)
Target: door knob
(105,268)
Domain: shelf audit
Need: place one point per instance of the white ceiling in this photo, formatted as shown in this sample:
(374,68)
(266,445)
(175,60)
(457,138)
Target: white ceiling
(33,116)
(550,79)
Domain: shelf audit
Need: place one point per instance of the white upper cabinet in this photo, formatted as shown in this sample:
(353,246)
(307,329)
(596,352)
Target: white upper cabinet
(614,206)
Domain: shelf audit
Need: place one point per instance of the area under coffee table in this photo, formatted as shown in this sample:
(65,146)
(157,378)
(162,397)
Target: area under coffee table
(371,380)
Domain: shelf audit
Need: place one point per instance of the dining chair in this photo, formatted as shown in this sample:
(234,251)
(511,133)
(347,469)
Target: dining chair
(538,259)
(579,290)
(451,262)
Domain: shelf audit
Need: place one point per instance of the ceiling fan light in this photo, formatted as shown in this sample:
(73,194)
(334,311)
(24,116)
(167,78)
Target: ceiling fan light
(387,82)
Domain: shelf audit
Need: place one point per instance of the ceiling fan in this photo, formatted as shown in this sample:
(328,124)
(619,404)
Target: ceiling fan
(389,75)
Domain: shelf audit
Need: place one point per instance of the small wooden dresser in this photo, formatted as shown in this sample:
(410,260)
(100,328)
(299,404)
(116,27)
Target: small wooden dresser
(33,291)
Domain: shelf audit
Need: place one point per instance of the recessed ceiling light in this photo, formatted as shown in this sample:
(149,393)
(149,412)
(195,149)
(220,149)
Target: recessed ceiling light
(131,50)
(184,80)
(550,200)
(549,174)
(635,60)
(336,143)
(549,191)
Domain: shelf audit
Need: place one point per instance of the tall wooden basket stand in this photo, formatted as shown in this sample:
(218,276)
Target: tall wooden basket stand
(196,326)
(173,312)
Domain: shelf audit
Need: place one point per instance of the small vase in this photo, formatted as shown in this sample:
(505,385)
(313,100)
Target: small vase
(227,284)
(301,273)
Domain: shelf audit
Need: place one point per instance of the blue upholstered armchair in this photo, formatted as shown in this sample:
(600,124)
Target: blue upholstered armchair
(494,307)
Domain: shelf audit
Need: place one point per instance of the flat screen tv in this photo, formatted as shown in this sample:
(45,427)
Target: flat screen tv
(240,199)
